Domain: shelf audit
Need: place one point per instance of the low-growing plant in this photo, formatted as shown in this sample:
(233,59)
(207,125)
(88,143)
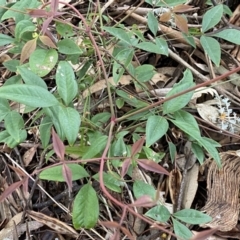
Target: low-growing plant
(92,138)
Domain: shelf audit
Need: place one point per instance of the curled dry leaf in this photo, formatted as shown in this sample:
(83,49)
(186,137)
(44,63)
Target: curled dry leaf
(208,113)
(175,178)
(204,90)
(53,223)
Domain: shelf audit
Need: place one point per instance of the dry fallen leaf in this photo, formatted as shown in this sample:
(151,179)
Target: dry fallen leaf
(175,178)
(53,223)
(191,186)
(208,113)
(28,155)
(204,90)
(125,80)
(8,233)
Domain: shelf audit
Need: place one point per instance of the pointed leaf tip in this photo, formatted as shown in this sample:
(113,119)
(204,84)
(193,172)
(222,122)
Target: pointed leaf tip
(58,145)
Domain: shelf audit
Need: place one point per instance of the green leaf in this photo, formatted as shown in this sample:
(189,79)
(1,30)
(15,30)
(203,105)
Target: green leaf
(197,150)
(159,213)
(179,102)
(192,216)
(212,142)
(101,118)
(5,39)
(140,188)
(14,123)
(110,181)
(53,113)
(152,155)
(4,135)
(123,58)
(19,9)
(22,27)
(151,47)
(227,10)
(138,32)
(10,141)
(144,72)
(189,39)
(4,108)
(96,147)
(64,30)
(66,83)
(181,231)
(11,65)
(162,45)
(16,79)
(231,35)
(131,100)
(212,48)
(119,34)
(85,208)
(55,173)
(212,17)
(68,47)
(69,121)
(76,150)
(30,95)
(84,69)
(185,116)
(186,122)
(156,127)
(172,151)
(42,61)
(211,149)
(45,131)
(152,23)
(187,128)
(2,10)
(31,78)
(120,148)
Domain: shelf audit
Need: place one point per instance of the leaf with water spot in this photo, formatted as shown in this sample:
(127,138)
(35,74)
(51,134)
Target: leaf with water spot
(42,61)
